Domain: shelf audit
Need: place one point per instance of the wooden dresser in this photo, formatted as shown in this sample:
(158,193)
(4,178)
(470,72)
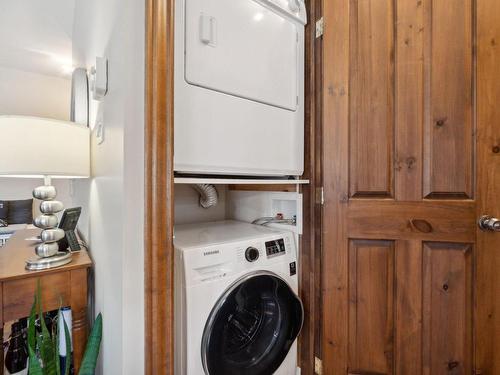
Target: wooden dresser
(67,284)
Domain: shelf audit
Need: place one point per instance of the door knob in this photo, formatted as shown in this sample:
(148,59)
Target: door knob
(488,223)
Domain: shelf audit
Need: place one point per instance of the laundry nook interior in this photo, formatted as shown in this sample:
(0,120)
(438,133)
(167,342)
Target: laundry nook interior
(238,160)
(329,151)
(250,187)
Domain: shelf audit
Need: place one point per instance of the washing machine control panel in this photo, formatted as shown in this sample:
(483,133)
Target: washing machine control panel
(275,248)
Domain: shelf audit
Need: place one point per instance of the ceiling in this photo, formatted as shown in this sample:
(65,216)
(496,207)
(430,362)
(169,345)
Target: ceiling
(36,36)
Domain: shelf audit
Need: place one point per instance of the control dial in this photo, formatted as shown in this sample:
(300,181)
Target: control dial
(252,254)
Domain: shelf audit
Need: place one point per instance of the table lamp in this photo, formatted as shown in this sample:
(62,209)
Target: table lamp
(34,147)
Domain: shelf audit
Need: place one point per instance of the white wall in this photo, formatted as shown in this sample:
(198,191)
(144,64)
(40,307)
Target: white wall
(115,197)
(21,188)
(32,94)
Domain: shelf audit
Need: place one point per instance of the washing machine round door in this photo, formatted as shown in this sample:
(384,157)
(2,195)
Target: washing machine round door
(252,326)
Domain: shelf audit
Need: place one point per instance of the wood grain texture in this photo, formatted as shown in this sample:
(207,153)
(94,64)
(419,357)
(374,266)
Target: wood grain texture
(430,158)
(371,288)
(408,307)
(317,244)
(449,126)
(487,319)
(447,314)
(65,285)
(335,166)
(79,314)
(408,163)
(159,216)
(310,249)
(371,96)
(18,294)
(448,221)
(14,254)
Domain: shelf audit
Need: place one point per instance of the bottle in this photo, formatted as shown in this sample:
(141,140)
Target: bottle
(16,359)
(66,314)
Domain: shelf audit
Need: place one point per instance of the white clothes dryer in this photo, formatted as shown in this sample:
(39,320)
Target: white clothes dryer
(239,87)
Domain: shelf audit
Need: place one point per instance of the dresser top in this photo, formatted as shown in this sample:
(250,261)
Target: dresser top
(18,249)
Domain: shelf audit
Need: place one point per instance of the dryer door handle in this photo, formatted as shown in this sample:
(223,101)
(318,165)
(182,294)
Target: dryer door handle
(208,29)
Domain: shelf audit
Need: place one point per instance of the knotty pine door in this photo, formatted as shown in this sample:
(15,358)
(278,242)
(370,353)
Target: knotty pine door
(410,160)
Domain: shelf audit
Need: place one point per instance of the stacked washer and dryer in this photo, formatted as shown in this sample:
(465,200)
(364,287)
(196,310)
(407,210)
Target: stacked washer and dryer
(239,111)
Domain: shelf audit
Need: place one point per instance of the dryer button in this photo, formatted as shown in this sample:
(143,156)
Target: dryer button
(251,254)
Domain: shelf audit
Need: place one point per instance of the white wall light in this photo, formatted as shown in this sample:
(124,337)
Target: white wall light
(99,78)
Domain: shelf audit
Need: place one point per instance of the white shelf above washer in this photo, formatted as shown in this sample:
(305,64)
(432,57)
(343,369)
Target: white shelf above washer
(236,181)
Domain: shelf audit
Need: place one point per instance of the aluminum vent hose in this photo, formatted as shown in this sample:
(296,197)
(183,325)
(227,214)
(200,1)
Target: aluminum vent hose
(208,195)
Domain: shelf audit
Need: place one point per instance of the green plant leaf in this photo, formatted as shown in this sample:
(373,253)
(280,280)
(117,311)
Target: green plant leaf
(46,348)
(31,327)
(67,339)
(34,367)
(34,364)
(92,350)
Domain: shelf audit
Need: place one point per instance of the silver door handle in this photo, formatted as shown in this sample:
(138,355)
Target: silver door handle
(489,223)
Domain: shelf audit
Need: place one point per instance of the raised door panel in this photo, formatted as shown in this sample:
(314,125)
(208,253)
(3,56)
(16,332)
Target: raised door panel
(409,105)
(371,278)
(449,126)
(371,98)
(447,308)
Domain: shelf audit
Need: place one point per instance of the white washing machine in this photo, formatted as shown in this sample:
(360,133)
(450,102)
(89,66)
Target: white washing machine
(236,304)
(239,87)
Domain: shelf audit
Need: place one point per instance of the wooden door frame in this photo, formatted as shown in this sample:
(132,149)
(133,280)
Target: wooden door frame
(159,188)
(159,192)
(487,317)
(310,241)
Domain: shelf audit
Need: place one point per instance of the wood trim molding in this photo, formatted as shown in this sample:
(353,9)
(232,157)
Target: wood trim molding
(159,178)
(310,241)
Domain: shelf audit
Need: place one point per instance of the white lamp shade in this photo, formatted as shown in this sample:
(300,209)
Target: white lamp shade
(36,147)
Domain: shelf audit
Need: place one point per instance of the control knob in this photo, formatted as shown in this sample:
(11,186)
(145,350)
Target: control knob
(252,254)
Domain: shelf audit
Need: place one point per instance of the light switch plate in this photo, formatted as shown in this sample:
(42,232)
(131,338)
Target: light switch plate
(99,132)
(99,125)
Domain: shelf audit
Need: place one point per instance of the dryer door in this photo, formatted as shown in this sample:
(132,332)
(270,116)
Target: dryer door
(252,327)
(242,48)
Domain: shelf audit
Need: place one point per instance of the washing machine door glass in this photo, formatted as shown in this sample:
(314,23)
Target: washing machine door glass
(252,327)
